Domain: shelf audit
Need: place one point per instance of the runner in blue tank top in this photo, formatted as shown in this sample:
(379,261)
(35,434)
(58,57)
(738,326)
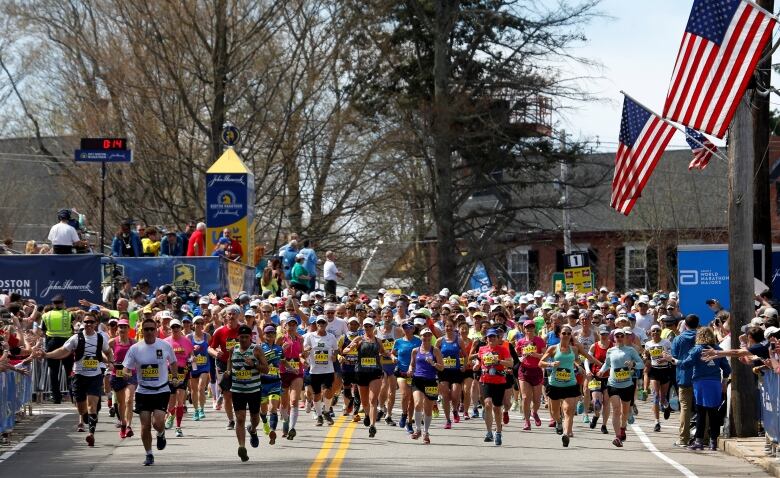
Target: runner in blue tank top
(451,378)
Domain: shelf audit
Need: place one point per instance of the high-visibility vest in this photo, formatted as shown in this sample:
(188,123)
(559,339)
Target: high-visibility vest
(58,323)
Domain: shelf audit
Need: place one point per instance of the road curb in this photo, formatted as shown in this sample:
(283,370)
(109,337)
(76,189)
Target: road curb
(752,451)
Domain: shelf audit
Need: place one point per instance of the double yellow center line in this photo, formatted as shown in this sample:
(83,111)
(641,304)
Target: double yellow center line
(332,470)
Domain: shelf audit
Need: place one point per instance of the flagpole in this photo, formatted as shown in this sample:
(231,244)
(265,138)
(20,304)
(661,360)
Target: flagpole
(759,7)
(678,128)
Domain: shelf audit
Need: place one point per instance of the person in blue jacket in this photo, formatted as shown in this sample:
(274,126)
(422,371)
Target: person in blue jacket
(172,245)
(709,378)
(681,345)
(126,243)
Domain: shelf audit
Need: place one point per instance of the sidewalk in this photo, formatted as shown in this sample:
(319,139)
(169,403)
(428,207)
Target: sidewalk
(752,451)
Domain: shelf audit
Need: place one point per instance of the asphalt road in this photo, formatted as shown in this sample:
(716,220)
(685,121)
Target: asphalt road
(207,449)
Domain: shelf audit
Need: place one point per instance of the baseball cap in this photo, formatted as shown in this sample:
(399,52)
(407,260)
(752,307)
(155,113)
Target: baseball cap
(250,313)
(255,303)
(655,327)
(305,297)
(244,330)
(770,331)
(125,322)
(603,329)
(381,291)
(529,323)
(370,322)
(423,311)
(603,289)
(269,329)
(491,332)
(353,319)
(628,331)
(770,312)
(203,300)
(407,325)
(538,294)
(112,320)
(419,321)
(322,318)
(166,314)
(175,322)
(473,305)
(94,308)
(425,331)
(757,322)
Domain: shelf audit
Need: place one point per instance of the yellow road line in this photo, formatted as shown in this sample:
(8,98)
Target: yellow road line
(335,464)
(322,456)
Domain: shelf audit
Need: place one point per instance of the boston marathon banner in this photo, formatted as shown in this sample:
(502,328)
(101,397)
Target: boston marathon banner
(230,199)
(41,277)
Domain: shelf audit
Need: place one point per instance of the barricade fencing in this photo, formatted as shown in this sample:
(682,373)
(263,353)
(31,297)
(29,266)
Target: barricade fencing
(15,393)
(770,405)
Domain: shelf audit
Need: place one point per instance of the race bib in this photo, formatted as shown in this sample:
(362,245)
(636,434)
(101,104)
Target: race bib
(450,362)
(562,375)
(242,375)
(368,362)
(321,358)
(622,375)
(408,380)
(529,349)
(431,391)
(200,359)
(387,345)
(352,353)
(150,373)
(656,352)
(89,364)
(594,385)
(489,359)
(273,371)
(230,344)
(180,376)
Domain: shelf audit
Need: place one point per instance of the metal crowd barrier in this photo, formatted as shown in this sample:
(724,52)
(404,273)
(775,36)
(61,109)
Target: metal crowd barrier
(770,407)
(15,392)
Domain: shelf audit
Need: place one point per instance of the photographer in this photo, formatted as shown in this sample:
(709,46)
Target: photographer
(63,235)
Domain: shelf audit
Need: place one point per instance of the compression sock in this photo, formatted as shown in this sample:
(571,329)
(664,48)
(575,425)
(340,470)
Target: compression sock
(293,416)
(273,420)
(92,422)
(418,420)
(264,417)
(318,408)
(427,421)
(179,415)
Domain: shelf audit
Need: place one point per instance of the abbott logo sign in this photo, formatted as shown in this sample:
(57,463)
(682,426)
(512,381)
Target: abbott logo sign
(689,277)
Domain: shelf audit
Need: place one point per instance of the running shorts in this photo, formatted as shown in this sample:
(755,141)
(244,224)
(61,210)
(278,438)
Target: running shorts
(531,375)
(364,379)
(626,394)
(119,383)
(493,391)
(451,375)
(468,374)
(271,391)
(427,386)
(288,378)
(561,393)
(151,402)
(663,375)
(251,400)
(183,385)
(83,386)
(388,369)
(320,381)
(349,377)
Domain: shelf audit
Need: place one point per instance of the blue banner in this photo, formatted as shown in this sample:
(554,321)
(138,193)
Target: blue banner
(479,278)
(226,199)
(185,274)
(15,392)
(702,273)
(770,404)
(41,277)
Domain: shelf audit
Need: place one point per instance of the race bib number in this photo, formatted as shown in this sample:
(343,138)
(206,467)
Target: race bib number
(450,362)
(529,349)
(321,358)
(273,371)
(622,375)
(408,380)
(89,364)
(242,375)
(594,385)
(352,353)
(180,376)
(150,373)
(200,359)
(230,344)
(431,391)
(387,345)
(489,359)
(368,362)
(656,353)
(562,375)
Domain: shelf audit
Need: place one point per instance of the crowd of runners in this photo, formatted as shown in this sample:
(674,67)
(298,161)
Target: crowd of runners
(392,362)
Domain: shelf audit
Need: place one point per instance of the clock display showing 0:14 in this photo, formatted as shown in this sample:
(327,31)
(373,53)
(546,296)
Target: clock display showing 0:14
(104,144)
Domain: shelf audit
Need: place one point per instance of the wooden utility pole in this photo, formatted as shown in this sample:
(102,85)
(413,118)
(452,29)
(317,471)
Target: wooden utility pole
(743,399)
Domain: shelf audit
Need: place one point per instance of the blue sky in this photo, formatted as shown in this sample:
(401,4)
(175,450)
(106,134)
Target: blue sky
(637,47)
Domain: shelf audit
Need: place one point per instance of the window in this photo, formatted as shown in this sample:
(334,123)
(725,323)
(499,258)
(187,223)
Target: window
(517,266)
(636,267)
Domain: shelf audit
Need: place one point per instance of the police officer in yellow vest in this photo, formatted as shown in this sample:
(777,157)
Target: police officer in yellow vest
(57,326)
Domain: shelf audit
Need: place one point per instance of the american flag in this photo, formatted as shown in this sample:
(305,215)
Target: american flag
(702,151)
(722,43)
(643,138)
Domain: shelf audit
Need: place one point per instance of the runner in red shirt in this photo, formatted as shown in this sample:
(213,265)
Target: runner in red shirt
(530,349)
(494,360)
(221,346)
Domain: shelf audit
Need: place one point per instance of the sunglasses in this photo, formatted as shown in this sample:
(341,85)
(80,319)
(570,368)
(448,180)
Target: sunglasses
(565,333)
(89,322)
(619,336)
(150,329)
(368,325)
(124,327)
(175,326)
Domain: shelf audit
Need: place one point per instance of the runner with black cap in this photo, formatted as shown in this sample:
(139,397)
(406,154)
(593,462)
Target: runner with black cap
(272,383)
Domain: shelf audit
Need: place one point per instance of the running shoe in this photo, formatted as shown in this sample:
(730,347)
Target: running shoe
(617,442)
(356,417)
(372,431)
(466,416)
(516,406)
(291,434)
(667,411)
(254,440)
(195,416)
(604,429)
(527,425)
(380,414)
(350,407)
(713,445)
(585,418)
(243,454)
(231,425)
(593,422)
(435,412)
(580,408)
(272,437)
(642,395)
(111,411)
(427,439)
(537,420)
(631,419)
(129,432)
(366,420)
(475,413)
(456,417)
(636,410)
(90,440)
(696,445)
(308,407)
(488,437)
(179,433)
(552,423)
(402,421)
(559,428)
(409,429)
(218,404)
(329,419)
(622,434)
(123,433)
(80,428)
(498,439)
(565,441)
(415,435)
(149,460)
(448,425)
(320,421)
(161,441)
(657,427)
(506,417)
(389,421)
(169,422)
(266,428)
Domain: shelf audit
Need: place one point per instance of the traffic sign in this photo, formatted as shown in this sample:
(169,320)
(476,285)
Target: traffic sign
(103,156)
